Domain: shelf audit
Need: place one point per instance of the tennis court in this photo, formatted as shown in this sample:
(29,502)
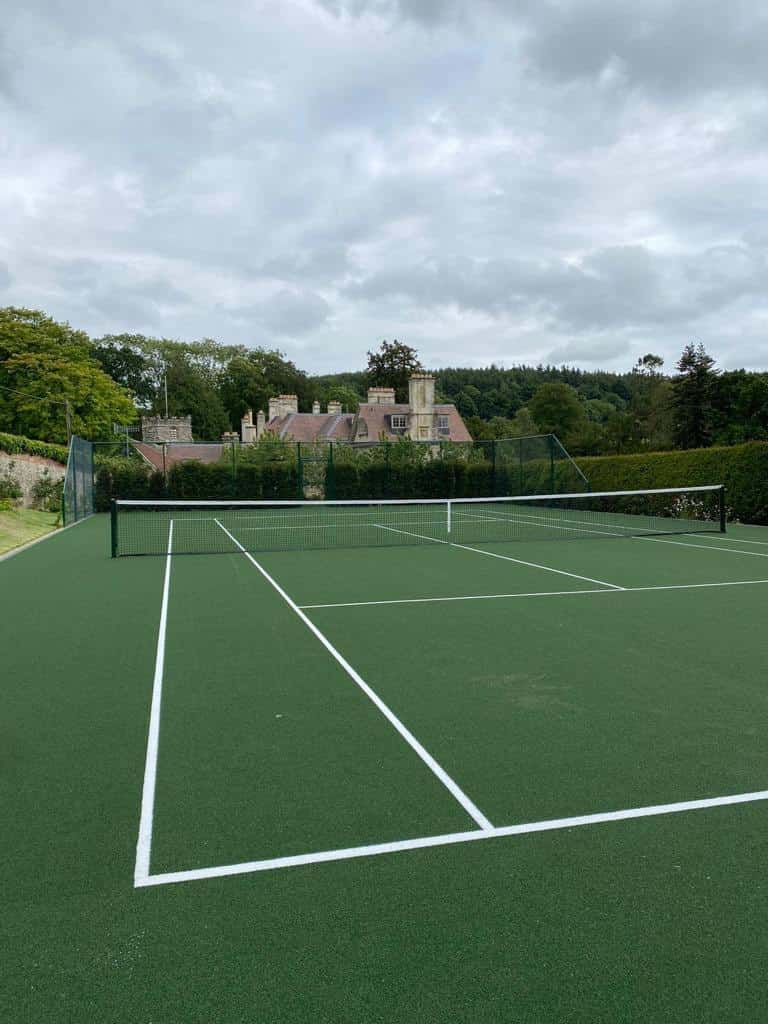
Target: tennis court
(466,775)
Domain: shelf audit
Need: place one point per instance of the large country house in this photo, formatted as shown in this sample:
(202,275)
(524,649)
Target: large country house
(379,418)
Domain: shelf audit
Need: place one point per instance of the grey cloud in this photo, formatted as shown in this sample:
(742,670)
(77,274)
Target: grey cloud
(289,312)
(507,178)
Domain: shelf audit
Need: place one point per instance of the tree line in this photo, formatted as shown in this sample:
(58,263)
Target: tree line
(55,379)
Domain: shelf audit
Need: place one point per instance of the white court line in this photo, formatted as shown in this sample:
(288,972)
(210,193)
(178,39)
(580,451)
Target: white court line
(704,547)
(376,849)
(539,593)
(506,558)
(472,810)
(736,540)
(144,844)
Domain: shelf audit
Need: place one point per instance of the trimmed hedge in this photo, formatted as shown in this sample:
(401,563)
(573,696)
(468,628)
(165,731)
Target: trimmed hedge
(743,469)
(118,477)
(16,445)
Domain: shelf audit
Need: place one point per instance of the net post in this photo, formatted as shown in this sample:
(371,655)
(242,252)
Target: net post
(448,516)
(721,506)
(113,521)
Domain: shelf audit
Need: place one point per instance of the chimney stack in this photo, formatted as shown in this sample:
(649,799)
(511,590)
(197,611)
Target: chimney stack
(315,408)
(334,408)
(261,423)
(248,432)
(421,399)
(283,405)
(381,396)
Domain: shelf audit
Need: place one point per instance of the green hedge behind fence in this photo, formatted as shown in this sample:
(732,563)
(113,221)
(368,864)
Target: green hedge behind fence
(742,468)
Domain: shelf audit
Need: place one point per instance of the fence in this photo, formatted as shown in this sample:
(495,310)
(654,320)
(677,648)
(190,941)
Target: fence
(77,496)
(324,469)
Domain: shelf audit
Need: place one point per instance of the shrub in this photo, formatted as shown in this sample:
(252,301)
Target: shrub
(46,492)
(9,486)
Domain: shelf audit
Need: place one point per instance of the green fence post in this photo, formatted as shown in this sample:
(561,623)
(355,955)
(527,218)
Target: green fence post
(330,474)
(494,482)
(551,464)
(299,473)
(520,480)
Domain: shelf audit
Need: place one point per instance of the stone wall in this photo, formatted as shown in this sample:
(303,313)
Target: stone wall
(158,429)
(26,470)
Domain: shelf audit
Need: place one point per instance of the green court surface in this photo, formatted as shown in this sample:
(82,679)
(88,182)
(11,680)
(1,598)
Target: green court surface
(518,781)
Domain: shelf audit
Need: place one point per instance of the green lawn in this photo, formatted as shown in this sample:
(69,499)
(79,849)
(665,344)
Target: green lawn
(21,525)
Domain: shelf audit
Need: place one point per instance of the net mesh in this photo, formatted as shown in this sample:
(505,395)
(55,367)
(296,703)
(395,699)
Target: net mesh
(147,527)
(77,496)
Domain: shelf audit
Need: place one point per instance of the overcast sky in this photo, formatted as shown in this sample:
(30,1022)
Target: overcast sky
(506,181)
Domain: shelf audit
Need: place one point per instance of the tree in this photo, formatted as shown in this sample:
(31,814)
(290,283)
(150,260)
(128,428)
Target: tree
(692,392)
(557,410)
(391,366)
(250,379)
(190,393)
(43,366)
(128,367)
(523,424)
(648,365)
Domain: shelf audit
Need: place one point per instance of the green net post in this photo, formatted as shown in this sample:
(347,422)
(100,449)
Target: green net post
(113,521)
(721,507)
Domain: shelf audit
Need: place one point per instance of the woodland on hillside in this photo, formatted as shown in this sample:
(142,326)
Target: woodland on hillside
(54,378)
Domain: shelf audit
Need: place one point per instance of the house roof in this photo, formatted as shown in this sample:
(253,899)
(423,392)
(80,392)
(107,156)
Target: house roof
(378,419)
(307,426)
(175,452)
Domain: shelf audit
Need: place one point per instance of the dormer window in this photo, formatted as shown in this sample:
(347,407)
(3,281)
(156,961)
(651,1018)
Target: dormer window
(442,425)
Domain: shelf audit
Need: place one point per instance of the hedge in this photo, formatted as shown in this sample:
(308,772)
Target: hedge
(743,469)
(16,445)
(118,477)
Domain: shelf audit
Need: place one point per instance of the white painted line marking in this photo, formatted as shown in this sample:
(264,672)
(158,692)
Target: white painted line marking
(376,849)
(704,547)
(730,539)
(538,593)
(506,558)
(144,844)
(473,811)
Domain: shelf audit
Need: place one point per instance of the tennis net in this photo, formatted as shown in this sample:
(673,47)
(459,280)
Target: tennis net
(207,527)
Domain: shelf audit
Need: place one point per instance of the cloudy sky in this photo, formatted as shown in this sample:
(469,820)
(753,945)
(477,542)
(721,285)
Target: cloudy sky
(506,181)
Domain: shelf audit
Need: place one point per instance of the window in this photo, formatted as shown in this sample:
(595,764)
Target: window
(399,423)
(442,425)
(174,432)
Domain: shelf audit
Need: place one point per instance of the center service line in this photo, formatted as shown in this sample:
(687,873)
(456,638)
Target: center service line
(472,810)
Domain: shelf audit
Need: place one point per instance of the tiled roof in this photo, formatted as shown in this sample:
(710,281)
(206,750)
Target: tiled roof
(377,418)
(305,426)
(153,453)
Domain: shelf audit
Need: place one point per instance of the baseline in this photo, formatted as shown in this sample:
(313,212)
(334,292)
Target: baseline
(377,849)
